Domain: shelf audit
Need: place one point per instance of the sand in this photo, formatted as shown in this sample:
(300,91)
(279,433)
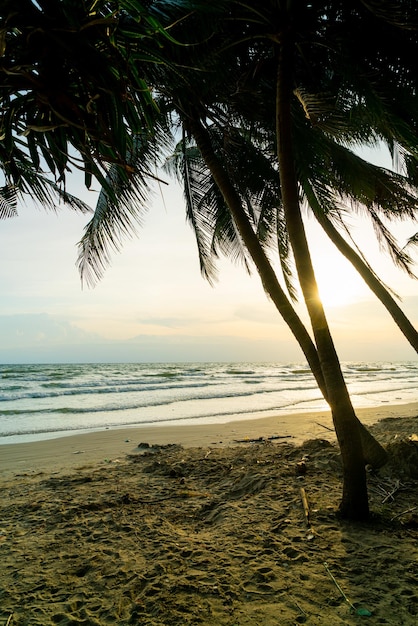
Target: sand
(207,525)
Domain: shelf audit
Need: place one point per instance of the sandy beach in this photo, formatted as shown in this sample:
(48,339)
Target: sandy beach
(229,524)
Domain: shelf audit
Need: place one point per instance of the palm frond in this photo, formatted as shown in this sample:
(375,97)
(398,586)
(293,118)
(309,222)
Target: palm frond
(205,209)
(256,177)
(74,80)
(412,240)
(195,198)
(121,205)
(111,224)
(347,180)
(8,202)
(388,241)
(401,14)
(324,111)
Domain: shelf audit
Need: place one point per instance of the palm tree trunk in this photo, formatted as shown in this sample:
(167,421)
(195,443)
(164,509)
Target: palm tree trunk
(370,279)
(373,452)
(354,504)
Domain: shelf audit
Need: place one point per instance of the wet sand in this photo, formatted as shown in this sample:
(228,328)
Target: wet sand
(233,524)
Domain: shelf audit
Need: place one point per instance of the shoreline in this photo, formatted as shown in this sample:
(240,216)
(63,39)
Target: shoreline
(63,454)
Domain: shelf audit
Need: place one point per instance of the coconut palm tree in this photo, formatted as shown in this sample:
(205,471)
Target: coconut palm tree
(289,60)
(279,55)
(283,47)
(203,82)
(194,107)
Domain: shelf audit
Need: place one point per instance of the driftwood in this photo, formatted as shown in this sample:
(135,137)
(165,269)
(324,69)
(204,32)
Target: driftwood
(261,439)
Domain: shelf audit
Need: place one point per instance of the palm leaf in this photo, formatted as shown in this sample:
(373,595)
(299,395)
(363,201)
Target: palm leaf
(203,203)
(257,179)
(120,207)
(8,202)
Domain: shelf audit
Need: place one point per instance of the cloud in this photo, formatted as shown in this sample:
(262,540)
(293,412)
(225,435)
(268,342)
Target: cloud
(32,330)
(42,338)
(364,331)
(168,322)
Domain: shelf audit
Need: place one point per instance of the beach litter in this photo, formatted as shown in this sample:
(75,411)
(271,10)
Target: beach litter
(357,610)
(307,514)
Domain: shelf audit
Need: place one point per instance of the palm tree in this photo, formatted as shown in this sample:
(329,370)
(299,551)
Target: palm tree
(286,52)
(354,500)
(193,112)
(284,46)
(120,128)
(281,50)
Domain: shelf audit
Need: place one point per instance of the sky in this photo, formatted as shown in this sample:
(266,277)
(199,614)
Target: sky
(153,305)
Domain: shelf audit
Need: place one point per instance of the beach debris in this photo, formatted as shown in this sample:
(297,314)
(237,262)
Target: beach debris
(305,505)
(357,610)
(403,458)
(307,513)
(158,446)
(262,439)
(301,468)
(390,494)
(387,488)
(323,426)
(304,613)
(410,510)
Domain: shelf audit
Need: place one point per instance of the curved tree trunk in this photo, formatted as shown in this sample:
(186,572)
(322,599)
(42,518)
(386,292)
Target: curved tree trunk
(373,452)
(354,504)
(370,279)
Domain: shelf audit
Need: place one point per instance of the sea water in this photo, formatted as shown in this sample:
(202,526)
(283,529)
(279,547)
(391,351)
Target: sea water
(45,401)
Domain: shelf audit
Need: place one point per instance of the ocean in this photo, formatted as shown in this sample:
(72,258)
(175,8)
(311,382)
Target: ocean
(47,401)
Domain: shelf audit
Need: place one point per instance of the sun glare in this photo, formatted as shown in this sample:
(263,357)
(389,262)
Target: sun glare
(339,285)
(338,282)
(335,296)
